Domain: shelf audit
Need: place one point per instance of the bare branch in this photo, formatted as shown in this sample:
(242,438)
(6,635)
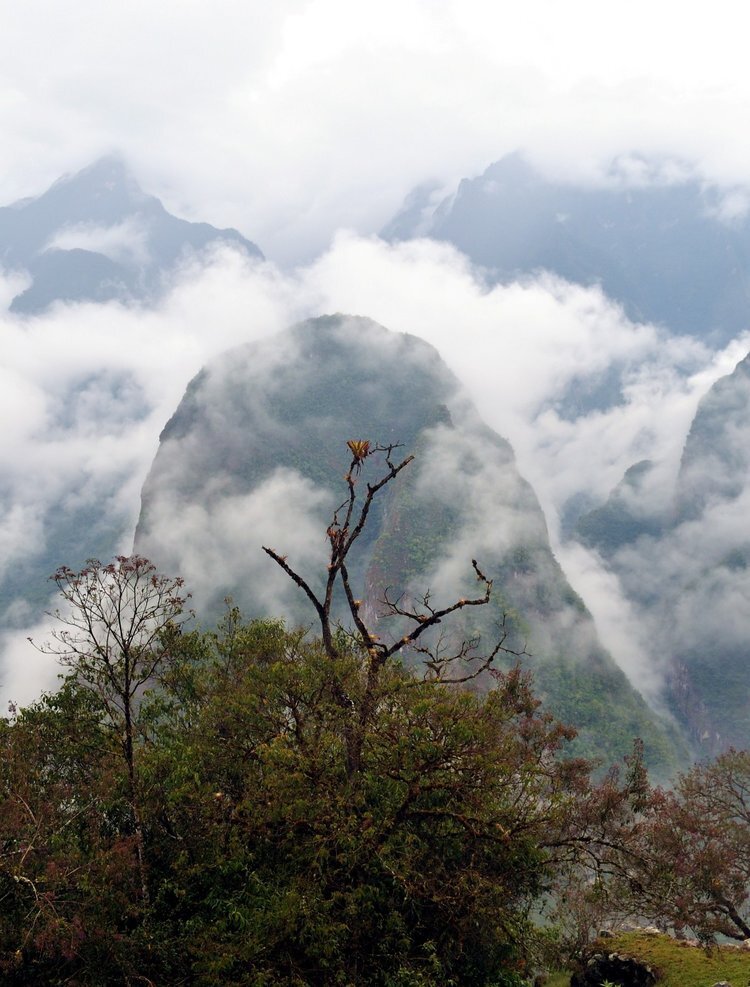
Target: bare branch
(344,529)
(347,523)
(427,616)
(438,662)
(281,561)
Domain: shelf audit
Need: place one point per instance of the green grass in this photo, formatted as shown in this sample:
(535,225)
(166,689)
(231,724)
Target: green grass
(679,965)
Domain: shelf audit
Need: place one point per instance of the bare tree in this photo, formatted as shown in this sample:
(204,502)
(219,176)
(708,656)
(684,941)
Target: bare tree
(113,626)
(347,524)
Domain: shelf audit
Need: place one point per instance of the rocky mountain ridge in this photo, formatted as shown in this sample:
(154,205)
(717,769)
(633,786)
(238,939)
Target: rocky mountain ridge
(670,249)
(97,236)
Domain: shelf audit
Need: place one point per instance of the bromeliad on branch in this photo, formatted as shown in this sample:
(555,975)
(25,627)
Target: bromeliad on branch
(360,448)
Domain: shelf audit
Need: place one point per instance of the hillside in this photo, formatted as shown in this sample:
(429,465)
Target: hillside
(255,453)
(682,562)
(670,962)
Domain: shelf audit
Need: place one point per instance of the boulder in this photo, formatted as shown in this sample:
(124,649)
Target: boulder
(615,968)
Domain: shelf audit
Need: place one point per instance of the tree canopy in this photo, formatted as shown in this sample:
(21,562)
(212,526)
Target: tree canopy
(256,805)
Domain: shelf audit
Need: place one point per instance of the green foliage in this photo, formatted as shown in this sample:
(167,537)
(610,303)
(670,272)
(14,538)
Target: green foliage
(268,861)
(588,695)
(393,876)
(560,978)
(68,873)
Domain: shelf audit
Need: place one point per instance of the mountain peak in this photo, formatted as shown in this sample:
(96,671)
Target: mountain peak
(95,235)
(513,169)
(103,192)
(256,449)
(668,248)
(106,173)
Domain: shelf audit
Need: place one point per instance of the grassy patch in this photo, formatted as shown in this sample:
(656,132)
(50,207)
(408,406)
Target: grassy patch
(680,965)
(560,979)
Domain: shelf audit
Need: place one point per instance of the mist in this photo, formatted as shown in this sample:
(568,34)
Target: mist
(294,121)
(97,383)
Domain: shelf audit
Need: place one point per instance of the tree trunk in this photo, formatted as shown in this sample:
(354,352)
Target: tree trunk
(134,802)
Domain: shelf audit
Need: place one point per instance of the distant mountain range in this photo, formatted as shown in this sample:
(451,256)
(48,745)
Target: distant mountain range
(96,236)
(675,253)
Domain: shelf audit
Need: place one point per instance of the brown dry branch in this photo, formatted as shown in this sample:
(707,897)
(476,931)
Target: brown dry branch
(347,524)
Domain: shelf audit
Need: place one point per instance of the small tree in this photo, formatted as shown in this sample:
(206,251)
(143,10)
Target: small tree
(347,524)
(111,638)
(694,853)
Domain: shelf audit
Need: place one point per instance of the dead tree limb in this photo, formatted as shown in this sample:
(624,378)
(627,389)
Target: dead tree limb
(347,524)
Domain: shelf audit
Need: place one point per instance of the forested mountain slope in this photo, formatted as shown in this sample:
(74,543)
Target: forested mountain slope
(683,562)
(255,455)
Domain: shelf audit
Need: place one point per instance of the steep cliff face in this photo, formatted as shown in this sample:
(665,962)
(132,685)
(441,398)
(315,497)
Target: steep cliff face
(685,565)
(716,458)
(255,454)
(712,533)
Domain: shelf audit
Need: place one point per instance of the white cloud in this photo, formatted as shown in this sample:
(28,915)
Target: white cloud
(619,623)
(125,242)
(519,347)
(217,545)
(26,671)
(293,120)
(97,383)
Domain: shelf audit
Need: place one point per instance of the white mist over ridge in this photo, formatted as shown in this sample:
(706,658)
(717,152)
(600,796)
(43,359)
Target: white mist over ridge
(96,383)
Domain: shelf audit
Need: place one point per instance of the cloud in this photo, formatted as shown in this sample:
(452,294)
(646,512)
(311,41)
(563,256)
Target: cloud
(126,242)
(96,384)
(293,121)
(520,348)
(86,391)
(26,671)
(218,543)
(619,621)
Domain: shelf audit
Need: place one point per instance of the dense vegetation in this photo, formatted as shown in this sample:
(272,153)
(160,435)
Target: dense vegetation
(266,860)
(260,806)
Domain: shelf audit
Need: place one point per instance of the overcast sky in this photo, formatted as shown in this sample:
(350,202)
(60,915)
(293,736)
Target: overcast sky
(293,118)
